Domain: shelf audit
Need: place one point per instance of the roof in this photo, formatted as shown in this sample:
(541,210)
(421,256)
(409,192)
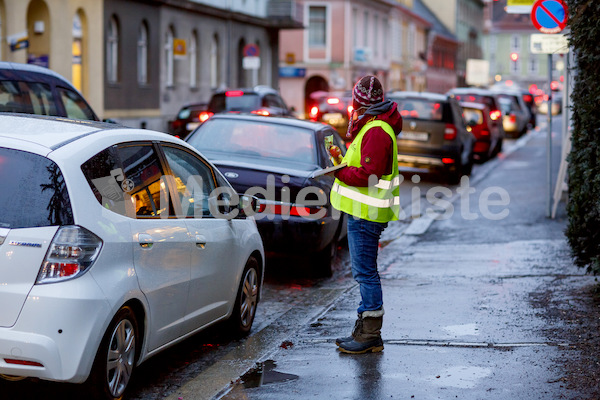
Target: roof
(30,68)
(423,95)
(438,27)
(470,104)
(298,123)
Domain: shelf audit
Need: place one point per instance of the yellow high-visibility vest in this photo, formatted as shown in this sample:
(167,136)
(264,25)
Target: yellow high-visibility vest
(378,202)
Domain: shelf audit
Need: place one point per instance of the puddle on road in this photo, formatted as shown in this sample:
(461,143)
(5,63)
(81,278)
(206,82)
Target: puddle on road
(462,377)
(264,374)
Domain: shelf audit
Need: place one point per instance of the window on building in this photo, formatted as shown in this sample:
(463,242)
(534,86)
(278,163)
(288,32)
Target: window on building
(142,54)
(515,43)
(533,65)
(317,32)
(193,51)
(112,51)
(169,57)
(515,67)
(375,35)
(366,30)
(214,62)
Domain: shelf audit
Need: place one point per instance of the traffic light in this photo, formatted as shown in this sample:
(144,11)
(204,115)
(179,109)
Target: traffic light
(514,56)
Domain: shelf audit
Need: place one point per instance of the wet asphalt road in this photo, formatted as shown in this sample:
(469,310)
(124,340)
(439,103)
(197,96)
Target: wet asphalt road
(292,301)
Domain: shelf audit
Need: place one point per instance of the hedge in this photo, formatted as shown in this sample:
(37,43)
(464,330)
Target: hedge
(583,207)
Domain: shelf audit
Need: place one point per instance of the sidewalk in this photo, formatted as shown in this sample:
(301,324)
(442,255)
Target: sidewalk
(475,309)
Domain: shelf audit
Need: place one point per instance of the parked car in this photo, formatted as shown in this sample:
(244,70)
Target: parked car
(555,107)
(31,89)
(488,137)
(515,113)
(189,118)
(333,109)
(115,244)
(261,100)
(434,136)
(275,158)
(484,96)
(529,100)
(515,116)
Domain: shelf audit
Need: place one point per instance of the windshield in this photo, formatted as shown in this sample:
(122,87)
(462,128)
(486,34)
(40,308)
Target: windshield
(234,102)
(33,192)
(255,139)
(424,109)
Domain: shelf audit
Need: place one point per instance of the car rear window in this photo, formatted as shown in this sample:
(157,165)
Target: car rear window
(424,109)
(473,116)
(236,101)
(477,98)
(33,192)
(256,139)
(27,97)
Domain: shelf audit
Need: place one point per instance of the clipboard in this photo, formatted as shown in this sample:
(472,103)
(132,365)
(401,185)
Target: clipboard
(327,170)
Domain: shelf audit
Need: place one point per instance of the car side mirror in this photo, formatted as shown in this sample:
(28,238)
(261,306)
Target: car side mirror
(248,205)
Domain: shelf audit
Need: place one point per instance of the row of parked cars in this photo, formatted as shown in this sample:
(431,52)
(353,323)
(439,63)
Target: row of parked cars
(116,243)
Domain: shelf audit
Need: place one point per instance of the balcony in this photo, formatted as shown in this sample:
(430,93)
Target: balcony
(285,14)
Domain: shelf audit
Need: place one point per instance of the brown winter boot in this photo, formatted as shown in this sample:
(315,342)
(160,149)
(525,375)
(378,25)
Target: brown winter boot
(357,328)
(368,338)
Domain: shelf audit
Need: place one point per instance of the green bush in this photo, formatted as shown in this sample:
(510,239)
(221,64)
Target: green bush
(583,208)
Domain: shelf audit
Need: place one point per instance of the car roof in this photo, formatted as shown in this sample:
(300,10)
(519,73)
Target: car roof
(43,132)
(299,123)
(260,89)
(19,67)
(474,90)
(470,104)
(423,95)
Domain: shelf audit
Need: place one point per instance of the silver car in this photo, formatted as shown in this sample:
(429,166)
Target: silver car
(115,244)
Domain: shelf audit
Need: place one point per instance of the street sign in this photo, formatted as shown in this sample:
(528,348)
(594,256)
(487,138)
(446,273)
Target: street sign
(251,50)
(250,62)
(541,43)
(549,16)
(519,6)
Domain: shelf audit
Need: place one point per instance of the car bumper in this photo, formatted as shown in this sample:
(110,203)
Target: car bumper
(59,328)
(296,235)
(430,160)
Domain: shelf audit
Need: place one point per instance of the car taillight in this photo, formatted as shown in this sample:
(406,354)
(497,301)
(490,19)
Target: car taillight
(495,115)
(513,118)
(314,111)
(261,112)
(450,132)
(72,252)
(484,132)
(289,209)
(204,115)
(448,160)
(234,93)
(22,362)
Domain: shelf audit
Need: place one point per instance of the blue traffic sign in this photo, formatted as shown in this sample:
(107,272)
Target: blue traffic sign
(549,16)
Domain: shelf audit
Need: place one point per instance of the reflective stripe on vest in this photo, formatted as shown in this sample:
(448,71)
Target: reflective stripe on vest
(378,203)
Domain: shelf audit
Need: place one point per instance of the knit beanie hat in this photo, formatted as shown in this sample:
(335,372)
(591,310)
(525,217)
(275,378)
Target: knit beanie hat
(367,91)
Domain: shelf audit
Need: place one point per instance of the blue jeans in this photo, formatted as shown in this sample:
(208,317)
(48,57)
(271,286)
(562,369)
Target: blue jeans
(363,242)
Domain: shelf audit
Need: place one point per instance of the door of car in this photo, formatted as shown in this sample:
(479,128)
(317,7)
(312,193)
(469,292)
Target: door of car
(215,258)
(161,243)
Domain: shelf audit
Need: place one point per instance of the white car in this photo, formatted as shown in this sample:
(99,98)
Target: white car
(115,243)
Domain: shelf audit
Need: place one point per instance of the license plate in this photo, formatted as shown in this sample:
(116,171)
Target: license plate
(333,118)
(420,136)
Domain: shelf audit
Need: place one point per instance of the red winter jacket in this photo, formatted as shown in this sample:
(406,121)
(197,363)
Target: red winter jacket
(376,148)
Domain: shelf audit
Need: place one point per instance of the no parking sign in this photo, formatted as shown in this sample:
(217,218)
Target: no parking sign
(549,16)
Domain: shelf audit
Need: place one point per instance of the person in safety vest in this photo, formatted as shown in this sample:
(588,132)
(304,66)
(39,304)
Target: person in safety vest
(367,189)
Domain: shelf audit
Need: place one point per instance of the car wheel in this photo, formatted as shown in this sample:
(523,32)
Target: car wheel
(116,357)
(244,309)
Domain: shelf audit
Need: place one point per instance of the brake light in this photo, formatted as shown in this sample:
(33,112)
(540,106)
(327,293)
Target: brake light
(450,132)
(23,362)
(288,209)
(204,115)
(513,118)
(71,253)
(234,93)
(313,112)
(484,132)
(496,114)
(261,112)
(527,98)
(448,160)
(333,100)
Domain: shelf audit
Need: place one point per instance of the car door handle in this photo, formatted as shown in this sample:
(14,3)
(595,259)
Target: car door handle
(145,240)
(200,241)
